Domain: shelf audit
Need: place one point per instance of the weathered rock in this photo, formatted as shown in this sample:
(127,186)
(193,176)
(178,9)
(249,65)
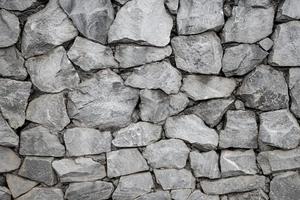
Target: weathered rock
(122,2)
(241,59)
(9,160)
(18,185)
(98,190)
(266,44)
(202,87)
(196,16)
(7,136)
(39,141)
(78,170)
(43,193)
(92,18)
(16,4)
(10,28)
(240,130)
(13,100)
(197,194)
(48,110)
(294,86)
(125,161)
(193,130)
(288,9)
(181,194)
(105,96)
(86,141)
(153,27)
(46,29)
(38,169)
(198,53)
(158,195)
(4,193)
(252,195)
(264,89)
(159,75)
(2,180)
(205,164)
(137,134)
(134,55)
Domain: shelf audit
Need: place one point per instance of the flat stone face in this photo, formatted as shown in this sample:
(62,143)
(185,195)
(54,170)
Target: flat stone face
(7,136)
(180,194)
(252,195)
(46,29)
(205,164)
(9,160)
(159,195)
(5,193)
(202,87)
(10,28)
(266,44)
(191,129)
(197,194)
(240,130)
(43,193)
(92,18)
(153,27)
(159,75)
(197,16)
(16,4)
(18,185)
(286,47)
(125,161)
(104,95)
(198,53)
(289,9)
(264,89)
(294,86)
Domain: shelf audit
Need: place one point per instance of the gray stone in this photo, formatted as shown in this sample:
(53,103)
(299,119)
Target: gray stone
(294,86)
(172,6)
(52,72)
(159,75)
(92,18)
(78,170)
(134,55)
(264,89)
(170,153)
(252,195)
(266,44)
(122,2)
(13,100)
(255,3)
(39,193)
(125,161)
(153,27)
(16,4)
(197,16)
(49,110)
(198,53)
(46,29)
(9,160)
(239,105)
(4,193)
(105,96)
(90,55)
(158,195)
(210,87)
(287,10)
(86,141)
(98,190)
(2,180)
(241,59)
(137,134)
(193,130)
(39,141)
(38,169)
(7,136)
(181,194)
(10,28)
(18,185)
(198,195)
(205,164)
(240,130)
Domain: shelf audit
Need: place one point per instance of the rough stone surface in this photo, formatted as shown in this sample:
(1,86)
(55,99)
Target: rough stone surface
(288,9)
(43,193)
(10,28)
(252,195)
(266,44)
(197,194)
(9,160)
(18,185)
(172,6)
(294,86)
(181,194)
(5,193)
(159,195)
(16,4)
(7,136)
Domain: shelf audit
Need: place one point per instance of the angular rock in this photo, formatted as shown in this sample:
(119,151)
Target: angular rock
(252,195)
(205,164)
(9,160)
(158,195)
(52,72)
(197,194)
(181,194)
(16,4)
(125,161)
(159,75)
(197,16)
(153,27)
(198,53)
(18,185)
(7,136)
(122,2)
(43,193)
(137,134)
(105,96)
(202,87)
(241,59)
(46,29)
(294,86)
(191,129)
(39,141)
(78,170)
(266,44)
(172,6)
(264,89)
(287,10)
(4,193)
(240,131)
(49,110)
(10,28)
(13,100)
(92,18)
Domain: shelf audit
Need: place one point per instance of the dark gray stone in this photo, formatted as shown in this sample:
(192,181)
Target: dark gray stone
(288,10)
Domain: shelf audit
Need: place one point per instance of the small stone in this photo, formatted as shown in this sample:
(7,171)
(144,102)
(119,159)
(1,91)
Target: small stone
(159,75)
(264,89)
(202,87)
(4,193)
(205,164)
(7,136)
(294,86)
(240,130)
(16,4)
(252,195)
(192,129)
(9,160)
(239,105)
(125,161)
(98,190)
(172,6)
(241,59)
(46,29)
(198,195)
(43,193)
(39,141)
(38,169)
(159,195)
(198,53)
(10,28)
(197,16)
(266,44)
(18,185)
(49,110)
(134,55)
(137,134)
(181,194)
(287,10)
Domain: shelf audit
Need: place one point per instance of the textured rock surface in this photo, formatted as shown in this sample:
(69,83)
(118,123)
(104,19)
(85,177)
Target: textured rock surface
(7,136)
(161,195)
(18,185)
(294,86)
(266,44)
(288,9)
(10,28)
(252,195)
(43,193)
(9,160)
(197,194)
(5,193)
(16,4)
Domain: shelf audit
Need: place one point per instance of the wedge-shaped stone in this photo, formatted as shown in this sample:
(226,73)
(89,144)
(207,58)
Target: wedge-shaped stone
(10,28)
(7,136)
(158,195)
(18,185)
(287,10)
(197,194)
(43,193)
(252,195)
(16,4)
(294,86)
(5,193)
(9,160)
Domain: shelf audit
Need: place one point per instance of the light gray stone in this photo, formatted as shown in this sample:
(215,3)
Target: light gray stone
(10,28)
(294,86)
(43,193)
(158,195)
(255,3)
(198,195)
(9,160)
(181,194)
(7,136)
(266,44)
(18,185)
(172,6)
(252,195)
(5,193)
(16,4)
(287,10)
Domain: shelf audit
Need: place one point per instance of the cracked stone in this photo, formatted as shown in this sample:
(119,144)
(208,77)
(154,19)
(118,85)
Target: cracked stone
(9,160)
(18,185)
(43,193)
(294,86)
(287,10)
(16,4)
(5,193)
(197,194)
(158,195)
(10,28)
(7,136)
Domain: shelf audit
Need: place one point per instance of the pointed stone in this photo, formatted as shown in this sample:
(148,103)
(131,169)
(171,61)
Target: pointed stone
(252,195)
(294,86)
(158,195)
(7,136)
(10,28)
(18,185)
(197,194)
(9,160)
(16,4)
(43,193)
(266,44)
